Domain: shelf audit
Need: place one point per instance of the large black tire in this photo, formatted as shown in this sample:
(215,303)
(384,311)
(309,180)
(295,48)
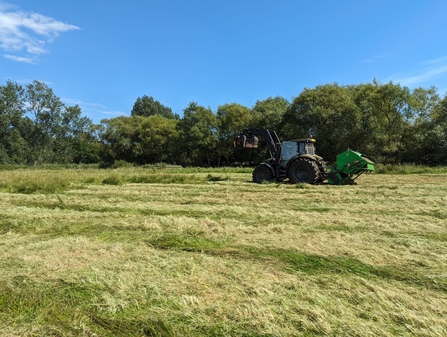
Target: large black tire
(262,173)
(303,170)
(322,175)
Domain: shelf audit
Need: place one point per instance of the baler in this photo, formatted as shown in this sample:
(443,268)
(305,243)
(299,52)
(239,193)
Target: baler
(349,165)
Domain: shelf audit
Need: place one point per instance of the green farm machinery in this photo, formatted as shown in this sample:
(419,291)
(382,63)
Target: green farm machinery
(298,162)
(349,165)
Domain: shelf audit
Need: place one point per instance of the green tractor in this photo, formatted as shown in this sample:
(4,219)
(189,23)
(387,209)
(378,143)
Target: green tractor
(297,161)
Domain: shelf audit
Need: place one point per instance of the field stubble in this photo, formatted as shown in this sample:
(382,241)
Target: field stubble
(200,253)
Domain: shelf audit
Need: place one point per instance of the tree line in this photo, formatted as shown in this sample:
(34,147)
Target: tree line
(387,122)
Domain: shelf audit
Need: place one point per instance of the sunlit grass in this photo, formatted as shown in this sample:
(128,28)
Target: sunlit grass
(409,169)
(184,252)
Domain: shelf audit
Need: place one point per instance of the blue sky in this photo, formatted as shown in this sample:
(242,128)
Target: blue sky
(103,54)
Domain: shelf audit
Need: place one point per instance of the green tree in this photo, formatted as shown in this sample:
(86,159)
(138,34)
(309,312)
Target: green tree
(13,147)
(119,138)
(46,110)
(147,106)
(156,140)
(384,109)
(138,139)
(329,113)
(269,113)
(419,119)
(434,147)
(231,119)
(75,139)
(197,135)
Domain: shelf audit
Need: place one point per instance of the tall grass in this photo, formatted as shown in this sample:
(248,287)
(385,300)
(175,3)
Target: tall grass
(409,169)
(33,182)
(57,181)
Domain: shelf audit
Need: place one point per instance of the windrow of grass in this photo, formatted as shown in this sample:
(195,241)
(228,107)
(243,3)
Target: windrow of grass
(217,255)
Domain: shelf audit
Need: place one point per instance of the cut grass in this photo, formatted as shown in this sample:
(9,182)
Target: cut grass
(208,253)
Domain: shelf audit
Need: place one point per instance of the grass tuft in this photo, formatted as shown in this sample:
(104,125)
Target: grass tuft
(113,179)
(161,178)
(186,243)
(213,178)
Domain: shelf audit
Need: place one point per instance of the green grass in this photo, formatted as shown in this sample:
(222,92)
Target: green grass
(201,252)
(409,169)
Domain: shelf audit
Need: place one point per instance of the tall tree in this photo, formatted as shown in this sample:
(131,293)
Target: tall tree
(269,113)
(156,140)
(13,146)
(434,147)
(76,143)
(147,106)
(328,113)
(46,110)
(232,118)
(138,139)
(197,135)
(419,119)
(384,107)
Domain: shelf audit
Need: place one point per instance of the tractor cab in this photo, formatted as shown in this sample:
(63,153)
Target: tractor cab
(294,148)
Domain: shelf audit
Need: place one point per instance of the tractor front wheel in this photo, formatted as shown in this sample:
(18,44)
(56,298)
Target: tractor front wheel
(303,171)
(262,173)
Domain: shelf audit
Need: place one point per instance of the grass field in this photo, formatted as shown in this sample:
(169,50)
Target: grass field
(195,252)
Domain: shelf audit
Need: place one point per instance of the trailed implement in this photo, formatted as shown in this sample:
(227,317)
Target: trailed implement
(349,165)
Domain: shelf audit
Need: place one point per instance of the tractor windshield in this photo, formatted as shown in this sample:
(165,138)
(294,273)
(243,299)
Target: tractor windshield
(289,150)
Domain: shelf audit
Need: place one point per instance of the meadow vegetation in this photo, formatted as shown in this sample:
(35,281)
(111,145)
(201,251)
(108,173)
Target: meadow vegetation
(205,252)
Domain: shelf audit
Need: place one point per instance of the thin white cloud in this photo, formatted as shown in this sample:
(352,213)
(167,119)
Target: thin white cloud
(92,110)
(441,60)
(29,32)
(422,77)
(20,59)
(431,71)
(26,81)
(72,101)
(373,58)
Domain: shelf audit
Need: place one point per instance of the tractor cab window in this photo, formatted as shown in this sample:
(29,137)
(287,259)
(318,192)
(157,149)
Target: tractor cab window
(289,150)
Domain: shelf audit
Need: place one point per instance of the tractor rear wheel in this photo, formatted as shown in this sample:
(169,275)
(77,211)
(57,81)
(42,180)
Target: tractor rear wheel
(322,174)
(262,173)
(303,171)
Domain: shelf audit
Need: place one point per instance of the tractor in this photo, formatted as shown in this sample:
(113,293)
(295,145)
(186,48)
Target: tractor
(294,160)
(297,161)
